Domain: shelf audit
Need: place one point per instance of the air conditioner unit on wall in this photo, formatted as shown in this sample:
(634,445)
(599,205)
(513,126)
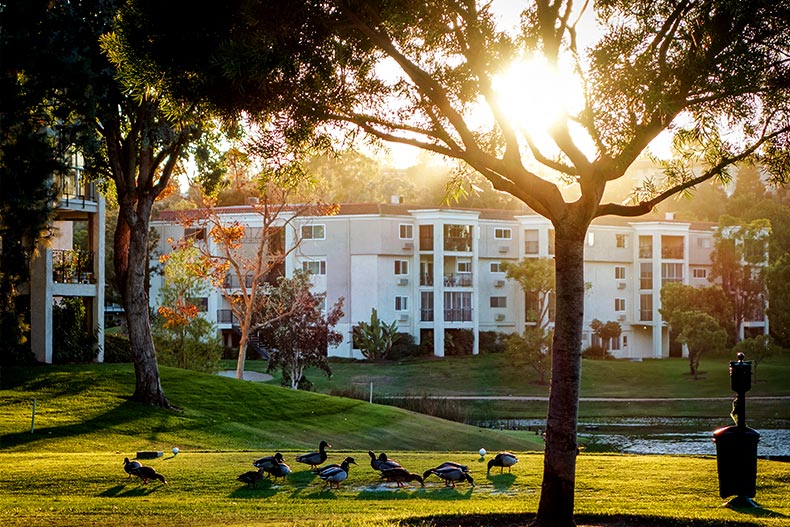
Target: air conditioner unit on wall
(500,317)
(499,283)
(403,281)
(403,317)
(408,246)
(621,318)
(621,285)
(503,249)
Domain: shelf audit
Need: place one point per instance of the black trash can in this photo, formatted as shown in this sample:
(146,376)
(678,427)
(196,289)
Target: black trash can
(736,460)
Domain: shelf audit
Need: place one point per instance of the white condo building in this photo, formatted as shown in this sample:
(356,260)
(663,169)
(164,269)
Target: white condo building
(438,270)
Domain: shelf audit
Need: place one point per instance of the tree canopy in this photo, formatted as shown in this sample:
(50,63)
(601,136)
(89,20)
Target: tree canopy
(429,74)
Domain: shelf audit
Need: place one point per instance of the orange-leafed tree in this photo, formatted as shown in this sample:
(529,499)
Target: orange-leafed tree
(241,253)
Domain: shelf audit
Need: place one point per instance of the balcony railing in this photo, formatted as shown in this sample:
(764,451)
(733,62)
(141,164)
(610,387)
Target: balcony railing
(672,253)
(462,314)
(75,187)
(226,316)
(426,315)
(458,280)
(426,279)
(646,315)
(73,266)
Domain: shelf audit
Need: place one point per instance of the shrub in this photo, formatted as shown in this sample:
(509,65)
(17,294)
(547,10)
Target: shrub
(193,347)
(492,341)
(405,348)
(117,348)
(458,342)
(433,406)
(596,352)
(71,341)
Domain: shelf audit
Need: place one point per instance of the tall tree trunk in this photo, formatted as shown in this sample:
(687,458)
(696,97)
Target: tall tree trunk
(559,462)
(131,267)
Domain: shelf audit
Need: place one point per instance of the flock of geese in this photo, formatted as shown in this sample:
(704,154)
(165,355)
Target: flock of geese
(333,474)
(392,471)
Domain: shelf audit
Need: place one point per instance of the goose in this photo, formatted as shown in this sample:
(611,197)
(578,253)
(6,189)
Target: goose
(401,476)
(450,475)
(145,473)
(315,458)
(502,460)
(386,463)
(131,467)
(268,462)
(452,464)
(251,478)
(334,475)
(280,470)
(319,470)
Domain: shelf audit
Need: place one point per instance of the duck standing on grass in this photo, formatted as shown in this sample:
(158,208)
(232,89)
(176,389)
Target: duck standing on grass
(131,467)
(375,463)
(502,460)
(450,474)
(145,473)
(252,477)
(279,470)
(401,476)
(319,470)
(385,463)
(315,458)
(268,462)
(334,475)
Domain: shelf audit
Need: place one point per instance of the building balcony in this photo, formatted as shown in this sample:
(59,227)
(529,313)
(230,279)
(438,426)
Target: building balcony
(426,315)
(226,316)
(74,266)
(458,280)
(458,314)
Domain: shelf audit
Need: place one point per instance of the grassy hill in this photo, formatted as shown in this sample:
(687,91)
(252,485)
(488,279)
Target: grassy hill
(85,409)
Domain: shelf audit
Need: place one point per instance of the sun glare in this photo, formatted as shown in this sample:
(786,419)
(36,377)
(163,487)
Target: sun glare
(535,95)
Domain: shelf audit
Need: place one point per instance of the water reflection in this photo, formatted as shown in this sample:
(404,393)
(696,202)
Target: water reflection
(662,435)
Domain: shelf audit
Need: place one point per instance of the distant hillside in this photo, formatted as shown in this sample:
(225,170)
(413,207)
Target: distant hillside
(85,408)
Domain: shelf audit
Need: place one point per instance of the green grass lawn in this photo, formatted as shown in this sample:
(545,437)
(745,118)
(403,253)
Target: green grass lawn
(490,375)
(44,489)
(69,471)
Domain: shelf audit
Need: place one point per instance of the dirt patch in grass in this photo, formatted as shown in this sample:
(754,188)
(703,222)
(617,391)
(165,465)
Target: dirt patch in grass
(525,520)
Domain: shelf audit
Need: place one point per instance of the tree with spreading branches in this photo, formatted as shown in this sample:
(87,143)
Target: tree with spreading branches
(712,74)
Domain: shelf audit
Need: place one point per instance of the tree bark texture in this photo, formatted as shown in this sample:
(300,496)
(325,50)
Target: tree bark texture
(131,262)
(559,463)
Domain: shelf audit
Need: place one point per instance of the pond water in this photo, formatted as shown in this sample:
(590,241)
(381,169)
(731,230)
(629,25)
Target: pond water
(663,435)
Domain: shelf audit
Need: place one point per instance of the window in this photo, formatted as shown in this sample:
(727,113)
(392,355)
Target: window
(457,306)
(671,272)
(619,272)
(703,243)
(503,234)
(401,303)
(464,267)
(498,301)
(646,307)
(315,267)
(614,344)
(401,267)
(645,246)
(406,231)
(426,306)
(198,233)
(672,247)
(313,232)
(619,304)
(646,275)
(531,244)
(458,238)
(621,241)
(699,272)
(426,237)
(496,267)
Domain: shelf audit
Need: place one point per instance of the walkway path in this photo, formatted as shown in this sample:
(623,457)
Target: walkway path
(253,376)
(530,398)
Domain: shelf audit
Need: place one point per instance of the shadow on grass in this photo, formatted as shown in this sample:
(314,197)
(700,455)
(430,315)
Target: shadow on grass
(502,481)
(123,414)
(599,520)
(120,491)
(441,494)
(263,490)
